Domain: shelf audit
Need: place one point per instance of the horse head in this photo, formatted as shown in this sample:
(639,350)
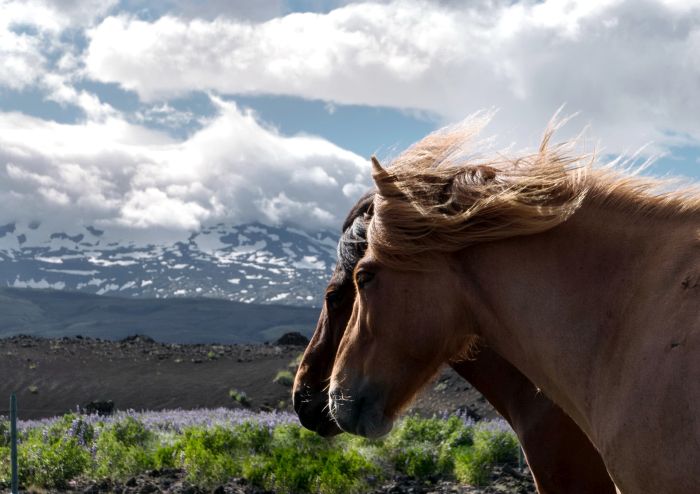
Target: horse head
(310,394)
(405,324)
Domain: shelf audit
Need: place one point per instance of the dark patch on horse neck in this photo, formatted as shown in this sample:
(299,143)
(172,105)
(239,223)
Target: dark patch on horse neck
(691,281)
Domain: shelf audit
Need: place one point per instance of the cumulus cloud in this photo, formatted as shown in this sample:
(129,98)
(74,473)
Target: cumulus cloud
(21,53)
(117,175)
(34,54)
(631,66)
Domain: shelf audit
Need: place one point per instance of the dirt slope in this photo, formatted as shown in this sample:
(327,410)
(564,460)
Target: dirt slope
(53,376)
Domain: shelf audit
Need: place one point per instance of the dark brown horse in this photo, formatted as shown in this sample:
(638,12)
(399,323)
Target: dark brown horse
(561,458)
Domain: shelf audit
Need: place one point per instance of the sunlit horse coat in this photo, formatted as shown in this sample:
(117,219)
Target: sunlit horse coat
(583,278)
(560,456)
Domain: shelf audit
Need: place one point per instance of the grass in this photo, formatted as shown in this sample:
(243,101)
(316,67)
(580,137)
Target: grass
(270,450)
(294,364)
(490,446)
(239,397)
(285,378)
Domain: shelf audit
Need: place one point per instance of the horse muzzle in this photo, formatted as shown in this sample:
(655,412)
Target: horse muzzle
(312,409)
(360,412)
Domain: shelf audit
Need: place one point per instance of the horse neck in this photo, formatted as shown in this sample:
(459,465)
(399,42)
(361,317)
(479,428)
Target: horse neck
(558,305)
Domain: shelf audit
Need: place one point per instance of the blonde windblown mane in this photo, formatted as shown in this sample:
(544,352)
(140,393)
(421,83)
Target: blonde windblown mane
(435,198)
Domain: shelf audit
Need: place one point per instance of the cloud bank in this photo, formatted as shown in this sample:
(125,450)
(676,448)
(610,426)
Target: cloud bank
(631,66)
(114,174)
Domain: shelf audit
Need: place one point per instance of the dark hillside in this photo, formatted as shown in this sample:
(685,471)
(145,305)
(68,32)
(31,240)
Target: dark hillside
(52,376)
(53,314)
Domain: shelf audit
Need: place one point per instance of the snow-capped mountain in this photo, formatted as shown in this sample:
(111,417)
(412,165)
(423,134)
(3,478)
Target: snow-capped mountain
(247,263)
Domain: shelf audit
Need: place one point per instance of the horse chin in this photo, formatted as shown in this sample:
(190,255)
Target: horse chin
(374,429)
(320,422)
(362,416)
(313,413)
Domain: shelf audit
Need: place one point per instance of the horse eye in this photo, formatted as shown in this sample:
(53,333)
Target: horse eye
(362,278)
(333,298)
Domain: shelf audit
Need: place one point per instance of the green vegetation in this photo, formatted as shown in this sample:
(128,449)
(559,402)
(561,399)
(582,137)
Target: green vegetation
(423,448)
(285,378)
(124,449)
(285,459)
(490,446)
(239,397)
(294,364)
(269,450)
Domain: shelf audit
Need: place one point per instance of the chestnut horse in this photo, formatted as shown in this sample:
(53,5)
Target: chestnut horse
(561,458)
(583,278)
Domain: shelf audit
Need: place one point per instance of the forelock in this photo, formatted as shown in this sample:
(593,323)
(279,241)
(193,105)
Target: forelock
(353,244)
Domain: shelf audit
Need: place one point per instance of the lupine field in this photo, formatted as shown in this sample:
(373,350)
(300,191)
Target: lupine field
(269,450)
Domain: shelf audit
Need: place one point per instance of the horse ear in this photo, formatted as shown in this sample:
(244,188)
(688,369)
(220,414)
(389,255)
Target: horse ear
(385,183)
(377,169)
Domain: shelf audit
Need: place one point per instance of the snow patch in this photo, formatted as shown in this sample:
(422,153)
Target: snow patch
(50,260)
(249,248)
(107,288)
(309,262)
(76,272)
(106,263)
(209,242)
(42,283)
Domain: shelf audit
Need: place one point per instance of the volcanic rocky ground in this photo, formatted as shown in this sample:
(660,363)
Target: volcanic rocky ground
(53,376)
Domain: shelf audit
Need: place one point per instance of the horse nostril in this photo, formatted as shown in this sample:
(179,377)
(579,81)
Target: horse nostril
(302,398)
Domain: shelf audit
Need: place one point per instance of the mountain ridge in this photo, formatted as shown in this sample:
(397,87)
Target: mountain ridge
(252,263)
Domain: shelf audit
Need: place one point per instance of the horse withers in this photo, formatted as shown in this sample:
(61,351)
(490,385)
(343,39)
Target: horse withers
(561,458)
(583,278)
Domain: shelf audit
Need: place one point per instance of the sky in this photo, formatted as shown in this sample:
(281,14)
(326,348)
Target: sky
(134,118)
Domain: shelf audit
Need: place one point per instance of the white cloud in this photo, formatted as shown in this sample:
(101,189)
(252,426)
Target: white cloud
(154,207)
(21,53)
(631,66)
(30,36)
(53,15)
(118,175)
(166,115)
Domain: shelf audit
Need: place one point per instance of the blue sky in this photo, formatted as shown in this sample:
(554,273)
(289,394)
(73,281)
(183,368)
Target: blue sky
(125,116)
